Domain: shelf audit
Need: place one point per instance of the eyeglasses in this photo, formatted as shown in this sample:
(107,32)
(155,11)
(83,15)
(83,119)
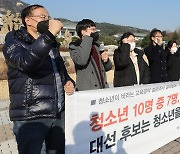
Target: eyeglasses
(42,16)
(158,36)
(92,29)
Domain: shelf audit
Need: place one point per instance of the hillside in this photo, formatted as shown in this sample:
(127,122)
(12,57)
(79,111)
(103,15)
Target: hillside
(13,5)
(110,29)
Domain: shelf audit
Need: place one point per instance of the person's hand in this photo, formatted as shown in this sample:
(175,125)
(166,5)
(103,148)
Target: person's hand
(86,33)
(69,88)
(55,26)
(125,40)
(104,56)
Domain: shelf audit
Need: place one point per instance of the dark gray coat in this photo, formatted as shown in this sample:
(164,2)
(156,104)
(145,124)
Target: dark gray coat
(87,75)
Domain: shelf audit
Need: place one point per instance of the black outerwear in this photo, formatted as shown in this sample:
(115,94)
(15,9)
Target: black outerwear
(32,84)
(124,74)
(173,66)
(157,63)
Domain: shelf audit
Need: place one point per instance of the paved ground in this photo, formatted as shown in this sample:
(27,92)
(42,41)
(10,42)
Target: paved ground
(7,141)
(8,144)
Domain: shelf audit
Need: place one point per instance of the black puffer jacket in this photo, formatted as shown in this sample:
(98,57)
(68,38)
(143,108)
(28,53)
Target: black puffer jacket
(31,78)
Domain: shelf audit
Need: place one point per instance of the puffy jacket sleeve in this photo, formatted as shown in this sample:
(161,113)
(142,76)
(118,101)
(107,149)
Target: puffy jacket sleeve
(25,57)
(121,56)
(81,54)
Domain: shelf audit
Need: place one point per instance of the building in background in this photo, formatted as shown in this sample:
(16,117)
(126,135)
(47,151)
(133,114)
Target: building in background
(138,36)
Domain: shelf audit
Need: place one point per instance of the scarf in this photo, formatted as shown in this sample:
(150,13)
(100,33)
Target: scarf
(95,56)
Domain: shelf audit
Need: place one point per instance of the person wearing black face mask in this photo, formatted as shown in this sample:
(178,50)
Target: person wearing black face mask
(43,26)
(38,81)
(90,64)
(95,36)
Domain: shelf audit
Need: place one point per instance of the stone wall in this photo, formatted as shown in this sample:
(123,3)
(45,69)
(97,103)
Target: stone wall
(4,91)
(3,69)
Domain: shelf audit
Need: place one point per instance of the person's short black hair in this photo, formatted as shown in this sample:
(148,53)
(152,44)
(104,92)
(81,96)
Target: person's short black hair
(170,44)
(28,11)
(83,25)
(125,35)
(153,32)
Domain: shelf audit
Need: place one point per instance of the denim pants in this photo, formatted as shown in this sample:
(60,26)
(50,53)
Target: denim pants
(32,134)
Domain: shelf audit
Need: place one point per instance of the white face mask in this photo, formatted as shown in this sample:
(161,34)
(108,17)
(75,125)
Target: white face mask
(158,43)
(173,50)
(101,47)
(132,46)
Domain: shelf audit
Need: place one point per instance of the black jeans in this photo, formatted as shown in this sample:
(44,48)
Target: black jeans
(31,134)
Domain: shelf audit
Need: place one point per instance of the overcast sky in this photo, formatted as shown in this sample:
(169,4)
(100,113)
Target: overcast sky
(145,14)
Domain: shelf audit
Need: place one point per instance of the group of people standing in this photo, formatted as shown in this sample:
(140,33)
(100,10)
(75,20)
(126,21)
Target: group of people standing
(38,79)
(132,65)
(153,65)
